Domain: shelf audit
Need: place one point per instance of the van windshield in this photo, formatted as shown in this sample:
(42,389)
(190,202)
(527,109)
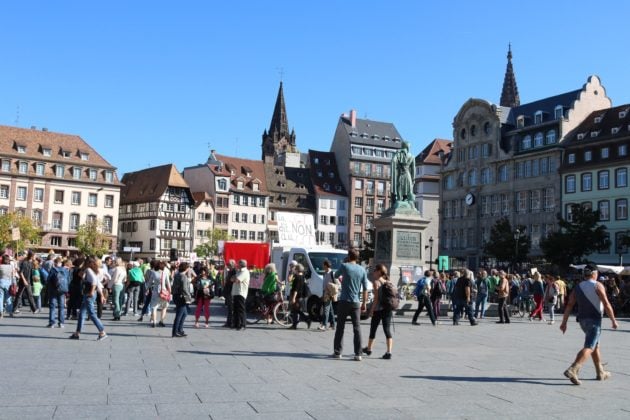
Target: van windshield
(317,259)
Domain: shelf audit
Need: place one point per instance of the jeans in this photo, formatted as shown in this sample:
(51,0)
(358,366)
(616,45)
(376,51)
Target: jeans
(56,308)
(87,307)
(480,303)
(117,298)
(38,301)
(344,309)
(377,317)
(459,306)
(181,310)
(504,314)
(423,301)
(329,314)
(133,292)
(18,297)
(146,308)
(4,295)
(552,306)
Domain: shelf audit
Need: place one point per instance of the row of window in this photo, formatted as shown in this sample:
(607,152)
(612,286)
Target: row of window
(532,201)
(371,151)
(487,129)
(221,218)
(539,140)
(245,235)
(245,200)
(473,152)
(332,204)
(369,220)
(47,152)
(523,169)
(603,180)
(39,169)
(369,169)
(369,204)
(328,238)
(21,194)
(74,221)
(248,218)
(604,153)
(466,238)
(370,186)
(621,209)
(332,220)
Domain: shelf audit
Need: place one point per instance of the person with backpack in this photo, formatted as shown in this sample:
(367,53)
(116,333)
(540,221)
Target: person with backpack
(437,292)
(331,289)
(181,297)
(483,288)
(422,293)
(381,310)
(58,286)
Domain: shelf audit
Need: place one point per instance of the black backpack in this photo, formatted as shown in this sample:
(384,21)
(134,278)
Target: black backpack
(389,296)
(58,280)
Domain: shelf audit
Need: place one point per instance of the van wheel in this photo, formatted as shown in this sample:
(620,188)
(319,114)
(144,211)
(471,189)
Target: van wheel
(314,307)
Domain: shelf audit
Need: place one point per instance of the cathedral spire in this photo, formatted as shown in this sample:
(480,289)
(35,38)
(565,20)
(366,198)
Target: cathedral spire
(279,122)
(509,93)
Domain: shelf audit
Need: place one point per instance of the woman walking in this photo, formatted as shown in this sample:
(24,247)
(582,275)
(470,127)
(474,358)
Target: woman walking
(160,285)
(551,297)
(181,297)
(92,277)
(118,279)
(503,293)
(538,290)
(7,278)
(378,313)
(204,294)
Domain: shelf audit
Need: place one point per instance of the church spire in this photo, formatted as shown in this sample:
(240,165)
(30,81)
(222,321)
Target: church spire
(509,93)
(279,122)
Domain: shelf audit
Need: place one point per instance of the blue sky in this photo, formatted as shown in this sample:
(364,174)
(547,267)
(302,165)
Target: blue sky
(154,82)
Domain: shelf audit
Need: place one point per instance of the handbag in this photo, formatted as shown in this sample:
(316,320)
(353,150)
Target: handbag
(13,289)
(165,294)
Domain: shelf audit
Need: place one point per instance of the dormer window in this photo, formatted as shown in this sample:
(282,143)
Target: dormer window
(364,135)
(331,175)
(47,152)
(580,136)
(239,185)
(594,134)
(376,137)
(614,130)
(21,148)
(538,139)
(6,165)
(255,186)
(84,156)
(338,188)
(320,174)
(66,154)
(538,117)
(59,171)
(526,143)
(520,121)
(109,176)
(558,112)
(326,186)
(316,161)
(222,184)
(597,120)
(354,134)
(386,138)
(328,162)
(622,114)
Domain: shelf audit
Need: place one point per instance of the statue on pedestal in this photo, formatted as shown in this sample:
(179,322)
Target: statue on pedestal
(403,171)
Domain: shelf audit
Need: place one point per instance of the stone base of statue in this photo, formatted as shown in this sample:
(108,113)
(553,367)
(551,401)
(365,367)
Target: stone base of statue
(400,243)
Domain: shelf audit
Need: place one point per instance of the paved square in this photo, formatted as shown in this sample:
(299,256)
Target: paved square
(267,372)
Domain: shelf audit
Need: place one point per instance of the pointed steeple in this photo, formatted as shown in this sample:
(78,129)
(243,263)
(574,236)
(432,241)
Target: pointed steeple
(279,122)
(509,93)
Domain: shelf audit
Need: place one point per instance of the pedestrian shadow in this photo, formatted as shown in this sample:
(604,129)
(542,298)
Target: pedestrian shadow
(257,354)
(492,379)
(64,337)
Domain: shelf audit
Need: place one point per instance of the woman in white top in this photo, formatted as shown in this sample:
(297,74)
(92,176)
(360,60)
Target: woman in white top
(118,276)
(92,278)
(159,280)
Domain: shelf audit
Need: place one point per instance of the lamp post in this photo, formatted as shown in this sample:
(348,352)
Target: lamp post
(517,235)
(431,253)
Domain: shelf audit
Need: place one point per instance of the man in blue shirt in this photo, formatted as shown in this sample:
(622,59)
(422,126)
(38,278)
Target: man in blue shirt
(592,301)
(353,281)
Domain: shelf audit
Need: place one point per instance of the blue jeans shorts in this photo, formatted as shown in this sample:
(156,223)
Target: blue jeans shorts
(592,329)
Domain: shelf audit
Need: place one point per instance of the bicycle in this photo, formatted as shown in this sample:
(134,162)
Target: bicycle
(258,308)
(525,305)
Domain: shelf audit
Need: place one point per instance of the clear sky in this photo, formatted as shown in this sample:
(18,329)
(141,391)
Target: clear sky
(154,82)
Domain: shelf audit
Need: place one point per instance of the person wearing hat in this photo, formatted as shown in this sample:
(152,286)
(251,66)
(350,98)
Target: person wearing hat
(240,286)
(591,299)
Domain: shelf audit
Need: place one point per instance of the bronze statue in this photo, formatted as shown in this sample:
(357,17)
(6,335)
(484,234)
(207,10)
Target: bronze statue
(403,171)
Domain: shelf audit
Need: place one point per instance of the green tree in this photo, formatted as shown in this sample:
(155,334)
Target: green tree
(29,232)
(91,240)
(575,239)
(504,245)
(211,247)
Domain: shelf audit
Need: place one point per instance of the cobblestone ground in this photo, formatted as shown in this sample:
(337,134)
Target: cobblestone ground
(268,372)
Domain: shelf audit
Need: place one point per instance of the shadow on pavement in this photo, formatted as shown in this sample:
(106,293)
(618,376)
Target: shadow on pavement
(63,337)
(490,379)
(258,354)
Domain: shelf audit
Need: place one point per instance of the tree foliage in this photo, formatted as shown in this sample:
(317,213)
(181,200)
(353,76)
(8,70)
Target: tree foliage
(502,244)
(29,232)
(575,239)
(211,247)
(91,240)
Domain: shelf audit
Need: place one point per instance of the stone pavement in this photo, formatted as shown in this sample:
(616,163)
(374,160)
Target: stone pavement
(267,372)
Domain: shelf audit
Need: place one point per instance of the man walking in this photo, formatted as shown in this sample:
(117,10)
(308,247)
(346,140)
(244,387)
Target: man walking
(461,297)
(422,293)
(592,301)
(354,279)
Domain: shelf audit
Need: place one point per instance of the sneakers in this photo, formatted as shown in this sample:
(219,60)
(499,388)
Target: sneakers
(62,326)
(387,356)
(206,325)
(322,328)
(74,337)
(552,322)
(161,324)
(357,358)
(101,337)
(572,374)
(336,356)
(51,326)
(366,351)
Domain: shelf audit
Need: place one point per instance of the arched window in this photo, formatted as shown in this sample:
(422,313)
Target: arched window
(526,142)
(472,177)
(502,173)
(538,140)
(551,137)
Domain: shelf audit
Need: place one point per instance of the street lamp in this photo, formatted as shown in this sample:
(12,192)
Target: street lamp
(430,252)
(517,235)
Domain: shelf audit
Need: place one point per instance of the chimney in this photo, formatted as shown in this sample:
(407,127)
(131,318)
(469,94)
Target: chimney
(44,129)
(353,118)
(33,127)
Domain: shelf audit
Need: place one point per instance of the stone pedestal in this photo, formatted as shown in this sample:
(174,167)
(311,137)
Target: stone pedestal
(400,243)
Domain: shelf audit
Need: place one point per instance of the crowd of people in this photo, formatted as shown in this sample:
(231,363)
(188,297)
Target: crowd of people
(79,289)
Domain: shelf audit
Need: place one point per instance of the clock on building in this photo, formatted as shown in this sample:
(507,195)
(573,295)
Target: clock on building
(470,199)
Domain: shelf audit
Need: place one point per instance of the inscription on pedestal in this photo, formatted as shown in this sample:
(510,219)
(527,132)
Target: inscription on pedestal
(384,245)
(408,244)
